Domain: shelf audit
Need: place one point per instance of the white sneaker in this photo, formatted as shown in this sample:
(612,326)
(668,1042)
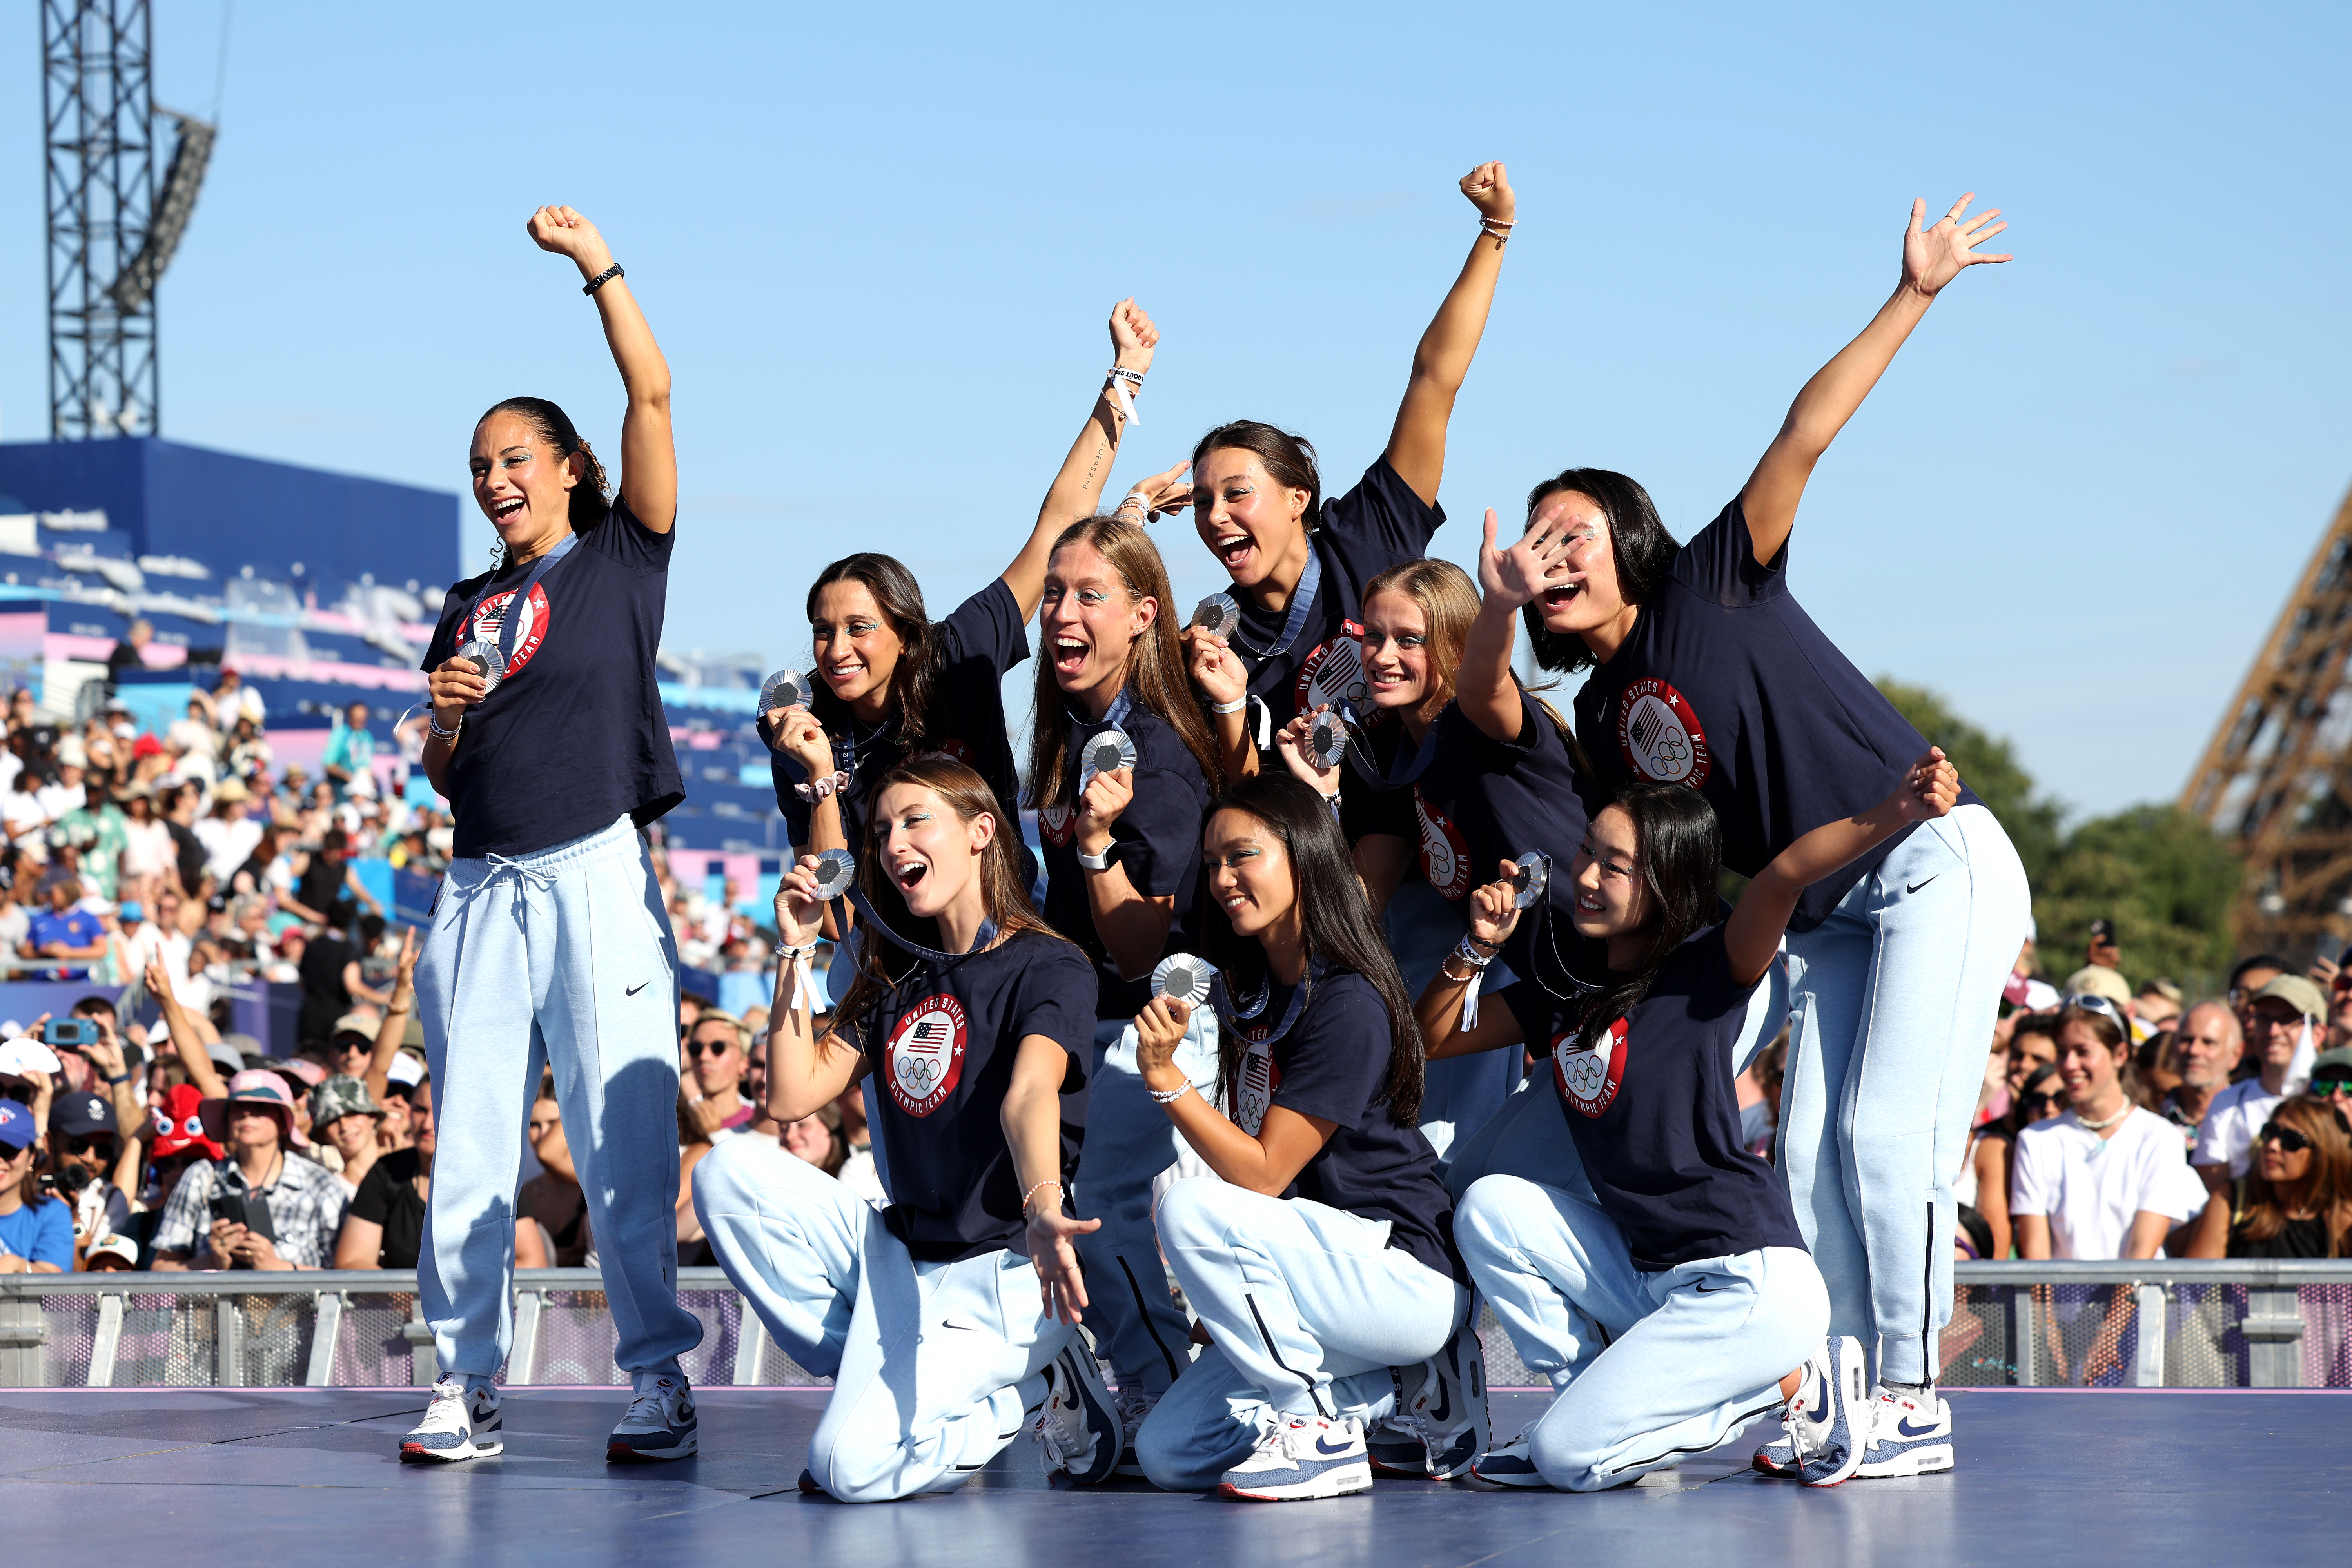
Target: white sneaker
(1907,1435)
(1133,1407)
(1828,1417)
(1512,1465)
(1304,1456)
(658,1425)
(1077,1428)
(460,1423)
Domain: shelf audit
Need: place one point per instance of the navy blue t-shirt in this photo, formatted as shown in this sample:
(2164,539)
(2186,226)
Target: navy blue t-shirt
(1725,683)
(1378,524)
(1483,801)
(982,639)
(1157,838)
(943,1060)
(1331,1062)
(575,737)
(1655,1117)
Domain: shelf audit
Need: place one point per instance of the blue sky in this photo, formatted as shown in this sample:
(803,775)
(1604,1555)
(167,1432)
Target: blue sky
(878,246)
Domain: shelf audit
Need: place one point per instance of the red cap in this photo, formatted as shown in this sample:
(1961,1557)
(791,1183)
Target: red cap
(147,746)
(178,1123)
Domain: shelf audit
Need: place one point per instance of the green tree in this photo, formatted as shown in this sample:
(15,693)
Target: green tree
(1988,765)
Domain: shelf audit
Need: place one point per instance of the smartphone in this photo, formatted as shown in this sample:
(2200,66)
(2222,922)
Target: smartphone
(72,1034)
(240,1208)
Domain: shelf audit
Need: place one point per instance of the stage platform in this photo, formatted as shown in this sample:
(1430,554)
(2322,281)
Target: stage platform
(198,1476)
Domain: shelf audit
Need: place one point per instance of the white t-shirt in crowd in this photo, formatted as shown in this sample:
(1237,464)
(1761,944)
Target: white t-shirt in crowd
(228,843)
(146,847)
(2090,1187)
(56,799)
(2226,1135)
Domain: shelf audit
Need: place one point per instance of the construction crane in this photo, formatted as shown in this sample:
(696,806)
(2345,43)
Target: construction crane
(2276,778)
(111,230)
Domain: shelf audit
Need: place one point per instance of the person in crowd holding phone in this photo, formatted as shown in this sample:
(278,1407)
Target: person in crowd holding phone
(262,1205)
(36,1231)
(549,942)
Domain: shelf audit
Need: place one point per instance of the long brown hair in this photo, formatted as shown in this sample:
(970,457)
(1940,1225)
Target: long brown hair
(2261,1213)
(1449,603)
(1003,887)
(915,684)
(1155,663)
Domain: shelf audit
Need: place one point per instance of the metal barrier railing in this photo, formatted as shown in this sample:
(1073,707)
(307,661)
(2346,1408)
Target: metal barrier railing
(2167,1323)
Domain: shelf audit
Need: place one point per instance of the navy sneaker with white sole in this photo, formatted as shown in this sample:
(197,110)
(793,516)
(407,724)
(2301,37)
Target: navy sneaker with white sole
(459,1424)
(658,1425)
(1512,1465)
(1077,1428)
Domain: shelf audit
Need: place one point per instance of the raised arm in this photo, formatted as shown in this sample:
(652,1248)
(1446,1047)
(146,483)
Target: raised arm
(1494,915)
(649,455)
(1932,257)
(1507,579)
(1417,444)
(805,1071)
(1752,936)
(190,1035)
(394,1027)
(1077,490)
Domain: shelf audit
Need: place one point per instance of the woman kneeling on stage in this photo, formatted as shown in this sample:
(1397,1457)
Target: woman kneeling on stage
(944,1319)
(1666,1315)
(1325,1257)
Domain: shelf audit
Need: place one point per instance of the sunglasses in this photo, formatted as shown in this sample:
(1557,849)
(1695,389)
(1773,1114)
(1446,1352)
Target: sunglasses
(2090,1003)
(98,1145)
(2289,1141)
(2332,1085)
(708,1048)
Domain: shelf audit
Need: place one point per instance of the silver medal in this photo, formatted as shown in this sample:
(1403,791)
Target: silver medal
(1327,740)
(1529,880)
(785,689)
(1102,753)
(835,869)
(1181,977)
(485,658)
(1221,613)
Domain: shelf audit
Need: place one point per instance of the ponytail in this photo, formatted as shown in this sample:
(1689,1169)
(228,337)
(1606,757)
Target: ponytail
(592,497)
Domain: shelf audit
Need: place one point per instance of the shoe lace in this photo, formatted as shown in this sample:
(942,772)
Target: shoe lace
(448,1399)
(1059,1428)
(1133,1406)
(651,1401)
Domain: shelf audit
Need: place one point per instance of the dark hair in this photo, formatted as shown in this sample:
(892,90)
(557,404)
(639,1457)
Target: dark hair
(915,685)
(2259,961)
(591,498)
(1155,668)
(2017,1122)
(1003,886)
(1289,458)
(1637,539)
(1678,850)
(2260,1212)
(92,1006)
(1336,922)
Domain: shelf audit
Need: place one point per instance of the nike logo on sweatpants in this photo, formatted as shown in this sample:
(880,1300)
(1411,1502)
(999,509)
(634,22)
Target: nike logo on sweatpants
(640,985)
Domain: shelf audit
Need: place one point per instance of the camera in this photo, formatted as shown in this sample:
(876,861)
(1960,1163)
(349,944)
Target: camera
(73,1034)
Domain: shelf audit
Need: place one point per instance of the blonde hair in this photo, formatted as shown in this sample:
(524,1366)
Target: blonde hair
(1449,603)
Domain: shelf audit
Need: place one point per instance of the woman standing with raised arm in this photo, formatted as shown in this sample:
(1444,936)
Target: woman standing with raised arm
(966,1043)
(1298,563)
(891,683)
(1706,671)
(549,939)
(1121,767)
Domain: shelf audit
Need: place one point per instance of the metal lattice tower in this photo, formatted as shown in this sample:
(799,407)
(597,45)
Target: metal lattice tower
(97,106)
(2276,779)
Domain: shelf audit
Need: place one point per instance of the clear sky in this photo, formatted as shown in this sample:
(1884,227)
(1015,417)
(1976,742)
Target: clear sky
(878,244)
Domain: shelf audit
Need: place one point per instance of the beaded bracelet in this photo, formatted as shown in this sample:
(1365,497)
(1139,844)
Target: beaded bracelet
(1032,1193)
(1168,1096)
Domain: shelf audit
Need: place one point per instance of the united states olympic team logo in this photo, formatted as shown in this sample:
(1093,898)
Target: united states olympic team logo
(1445,858)
(1334,673)
(1054,823)
(1660,735)
(927,1055)
(490,618)
(1589,1079)
(1259,1078)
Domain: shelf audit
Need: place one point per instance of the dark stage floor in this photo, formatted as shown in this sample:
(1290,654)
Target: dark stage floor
(194,1477)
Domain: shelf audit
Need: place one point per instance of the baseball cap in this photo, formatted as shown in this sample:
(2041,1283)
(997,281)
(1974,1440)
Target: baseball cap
(146,746)
(25,1053)
(116,1246)
(406,1070)
(259,1086)
(131,911)
(342,1096)
(364,1025)
(2098,980)
(80,1115)
(306,1075)
(179,1124)
(70,753)
(2304,996)
(225,1055)
(15,1127)
(2340,1059)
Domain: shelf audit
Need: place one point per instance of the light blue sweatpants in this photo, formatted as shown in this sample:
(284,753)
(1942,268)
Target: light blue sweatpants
(1893,999)
(1461,1094)
(1646,1367)
(1309,1307)
(1137,1327)
(562,957)
(935,1366)
(1529,1137)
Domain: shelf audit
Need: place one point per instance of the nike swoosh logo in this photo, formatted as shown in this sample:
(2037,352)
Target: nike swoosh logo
(952,1323)
(1905,1427)
(1443,1411)
(1325,1446)
(640,985)
(1914,887)
(1704,1290)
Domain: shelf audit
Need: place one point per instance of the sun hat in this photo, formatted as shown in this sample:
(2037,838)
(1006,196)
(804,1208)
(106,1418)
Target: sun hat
(259,1086)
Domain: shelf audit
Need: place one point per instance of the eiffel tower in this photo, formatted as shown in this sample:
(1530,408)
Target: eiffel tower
(2276,778)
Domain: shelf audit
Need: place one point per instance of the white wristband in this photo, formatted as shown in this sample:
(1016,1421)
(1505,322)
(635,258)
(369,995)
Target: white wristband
(1233,707)
(1096,862)
(1116,385)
